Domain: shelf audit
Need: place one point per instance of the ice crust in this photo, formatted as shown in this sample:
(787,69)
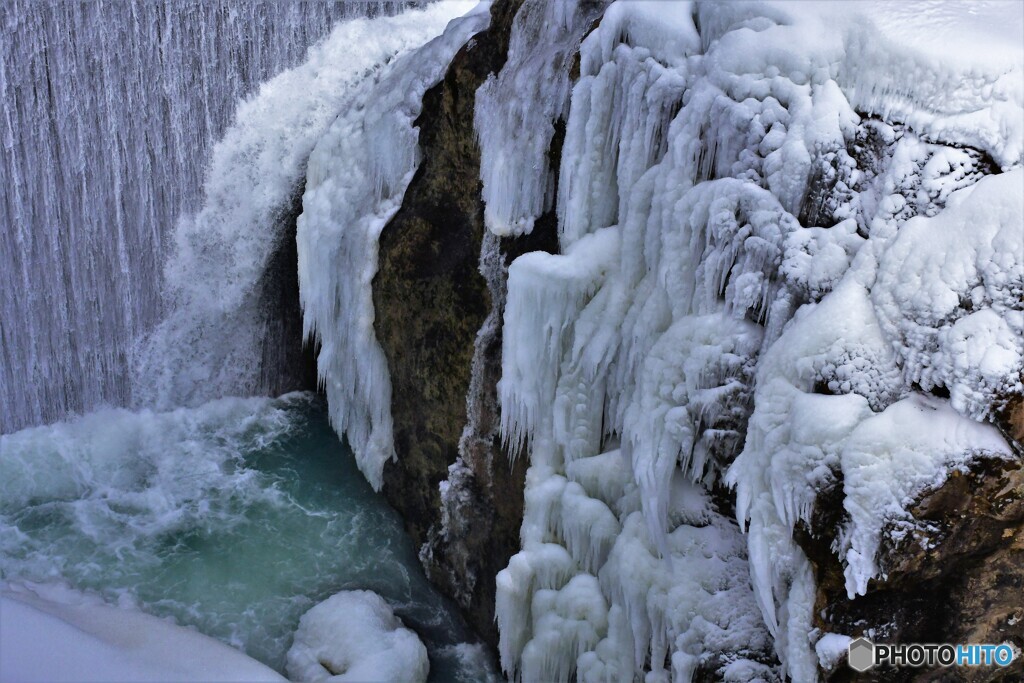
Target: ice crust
(777,242)
(357,175)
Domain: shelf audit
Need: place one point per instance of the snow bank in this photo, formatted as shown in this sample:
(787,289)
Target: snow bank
(354,636)
(357,175)
(50,633)
(755,284)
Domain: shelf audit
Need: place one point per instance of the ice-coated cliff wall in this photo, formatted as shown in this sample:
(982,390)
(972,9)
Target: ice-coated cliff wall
(779,330)
(746,295)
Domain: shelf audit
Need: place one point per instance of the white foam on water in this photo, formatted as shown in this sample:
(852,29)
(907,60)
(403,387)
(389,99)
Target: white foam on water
(233,517)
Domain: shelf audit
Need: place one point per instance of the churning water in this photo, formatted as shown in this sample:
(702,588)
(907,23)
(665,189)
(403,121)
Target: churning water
(234,517)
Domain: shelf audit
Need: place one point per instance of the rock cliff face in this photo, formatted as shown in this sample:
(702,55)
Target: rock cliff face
(953,575)
(955,578)
(431,300)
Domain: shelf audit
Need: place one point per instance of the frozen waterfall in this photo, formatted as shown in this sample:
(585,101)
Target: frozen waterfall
(789,268)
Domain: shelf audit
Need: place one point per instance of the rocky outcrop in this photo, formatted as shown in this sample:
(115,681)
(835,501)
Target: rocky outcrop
(955,577)
(431,301)
(1010,421)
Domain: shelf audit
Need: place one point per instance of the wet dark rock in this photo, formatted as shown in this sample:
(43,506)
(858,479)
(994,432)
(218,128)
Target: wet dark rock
(430,301)
(956,577)
(287,362)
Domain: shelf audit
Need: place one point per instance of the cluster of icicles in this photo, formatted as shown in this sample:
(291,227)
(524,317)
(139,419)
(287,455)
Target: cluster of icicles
(677,343)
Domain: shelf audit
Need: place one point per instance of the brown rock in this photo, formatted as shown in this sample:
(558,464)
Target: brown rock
(1010,420)
(956,578)
(430,301)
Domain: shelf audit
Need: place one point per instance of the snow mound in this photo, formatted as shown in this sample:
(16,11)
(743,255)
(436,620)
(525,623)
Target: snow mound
(354,636)
(51,633)
(831,648)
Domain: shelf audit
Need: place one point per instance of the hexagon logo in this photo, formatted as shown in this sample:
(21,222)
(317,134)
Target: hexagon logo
(861,655)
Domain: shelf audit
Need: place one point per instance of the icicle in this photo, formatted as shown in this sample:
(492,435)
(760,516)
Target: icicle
(516,112)
(698,152)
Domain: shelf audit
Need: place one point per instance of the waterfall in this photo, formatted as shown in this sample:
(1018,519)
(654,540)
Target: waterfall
(109,111)
(154,163)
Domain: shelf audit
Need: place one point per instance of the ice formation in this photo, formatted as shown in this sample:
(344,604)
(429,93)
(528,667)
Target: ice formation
(790,263)
(517,109)
(356,178)
(354,636)
(949,292)
(209,346)
(773,245)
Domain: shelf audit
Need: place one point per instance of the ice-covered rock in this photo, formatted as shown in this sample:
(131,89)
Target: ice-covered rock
(517,108)
(949,296)
(355,636)
(357,175)
(750,265)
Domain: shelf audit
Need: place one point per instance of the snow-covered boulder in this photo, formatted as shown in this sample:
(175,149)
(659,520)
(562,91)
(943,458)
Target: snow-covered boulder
(354,636)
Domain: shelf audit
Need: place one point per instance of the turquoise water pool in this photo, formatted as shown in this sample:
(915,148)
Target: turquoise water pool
(234,517)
